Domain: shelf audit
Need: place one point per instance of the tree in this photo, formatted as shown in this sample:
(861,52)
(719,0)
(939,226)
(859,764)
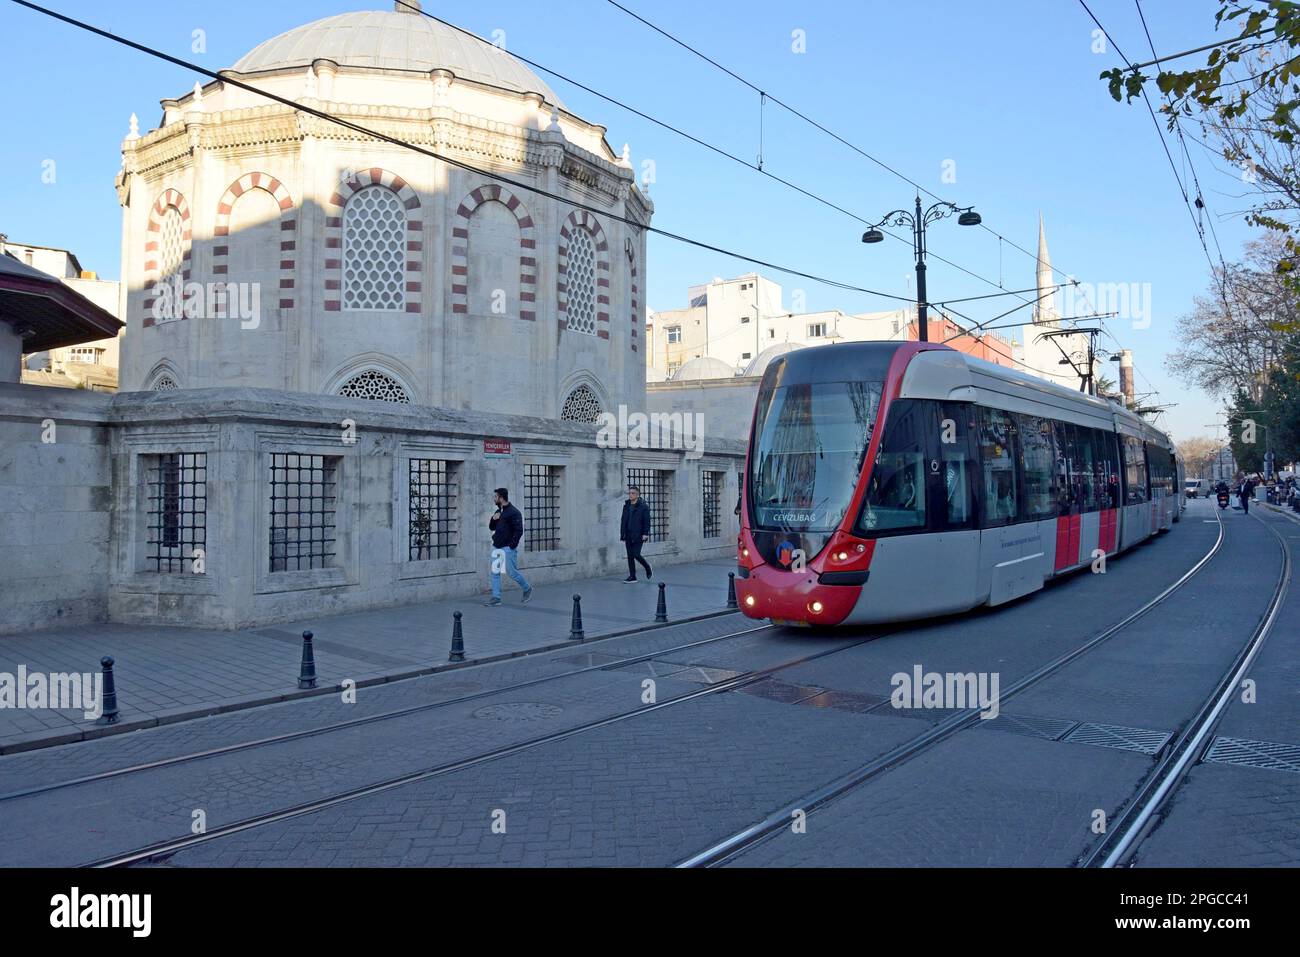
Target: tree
(1245,98)
(1237,333)
(1196,454)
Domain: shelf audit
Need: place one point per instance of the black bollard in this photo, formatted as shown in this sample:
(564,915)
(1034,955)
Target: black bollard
(307,674)
(661,610)
(457,640)
(108,715)
(731,590)
(575,629)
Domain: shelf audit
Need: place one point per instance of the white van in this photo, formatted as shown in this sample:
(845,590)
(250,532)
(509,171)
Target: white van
(1194,487)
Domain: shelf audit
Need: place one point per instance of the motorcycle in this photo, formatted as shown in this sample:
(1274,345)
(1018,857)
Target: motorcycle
(1223,499)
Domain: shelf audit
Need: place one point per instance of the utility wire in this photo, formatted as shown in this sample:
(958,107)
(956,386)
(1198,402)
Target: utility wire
(835,136)
(758,167)
(518,184)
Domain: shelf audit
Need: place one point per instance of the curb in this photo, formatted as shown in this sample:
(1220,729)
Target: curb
(39,741)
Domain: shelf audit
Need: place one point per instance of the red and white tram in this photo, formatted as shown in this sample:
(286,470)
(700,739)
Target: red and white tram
(891,481)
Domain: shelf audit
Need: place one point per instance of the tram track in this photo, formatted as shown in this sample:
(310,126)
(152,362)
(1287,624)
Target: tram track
(165,849)
(1142,814)
(727,849)
(305,733)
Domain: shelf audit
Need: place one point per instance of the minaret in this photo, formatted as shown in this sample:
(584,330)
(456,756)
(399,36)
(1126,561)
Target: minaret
(1045,311)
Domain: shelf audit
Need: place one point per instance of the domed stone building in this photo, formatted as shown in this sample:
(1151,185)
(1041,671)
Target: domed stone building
(367,269)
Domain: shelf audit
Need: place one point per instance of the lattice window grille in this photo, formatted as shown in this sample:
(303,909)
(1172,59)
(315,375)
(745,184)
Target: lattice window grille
(178,509)
(582,405)
(712,483)
(656,487)
(581,273)
(374,386)
(433,531)
(374,250)
(302,511)
(542,507)
(165,383)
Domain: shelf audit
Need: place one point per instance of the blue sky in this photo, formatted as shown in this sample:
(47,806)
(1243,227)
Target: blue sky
(1006,89)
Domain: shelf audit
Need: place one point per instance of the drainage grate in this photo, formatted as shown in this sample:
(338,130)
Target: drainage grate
(1049,729)
(1255,754)
(1114,736)
(650,669)
(845,701)
(775,690)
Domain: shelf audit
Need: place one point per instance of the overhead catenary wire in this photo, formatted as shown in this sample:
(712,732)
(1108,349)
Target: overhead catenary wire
(759,167)
(488,174)
(833,135)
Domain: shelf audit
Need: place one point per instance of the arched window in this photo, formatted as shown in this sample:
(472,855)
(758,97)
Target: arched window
(165,383)
(582,283)
(374,250)
(582,405)
(494,253)
(171,246)
(374,386)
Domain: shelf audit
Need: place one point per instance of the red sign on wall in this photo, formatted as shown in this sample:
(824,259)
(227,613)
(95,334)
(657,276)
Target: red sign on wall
(497,448)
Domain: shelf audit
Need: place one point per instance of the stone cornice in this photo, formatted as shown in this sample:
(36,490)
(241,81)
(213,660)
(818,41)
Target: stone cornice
(470,139)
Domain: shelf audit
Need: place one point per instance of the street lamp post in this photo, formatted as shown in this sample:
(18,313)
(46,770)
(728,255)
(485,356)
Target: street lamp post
(918,220)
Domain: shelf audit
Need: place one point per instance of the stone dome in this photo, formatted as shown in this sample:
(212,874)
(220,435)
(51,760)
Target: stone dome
(704,367)
(764,358)
(393,40)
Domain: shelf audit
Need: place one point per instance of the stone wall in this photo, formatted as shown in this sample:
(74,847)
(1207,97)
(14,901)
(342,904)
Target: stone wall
(108,550)
(54,507)
(726,404)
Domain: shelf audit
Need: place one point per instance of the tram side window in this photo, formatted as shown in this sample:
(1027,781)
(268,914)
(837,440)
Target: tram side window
(1161,465)
(1082,470)
(1069,490)
(958,423)
(1039,464)
(1106,449)
(1135,471)
(897,489)
(998,454)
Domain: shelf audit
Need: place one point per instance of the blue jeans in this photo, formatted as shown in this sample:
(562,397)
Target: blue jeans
(510,560)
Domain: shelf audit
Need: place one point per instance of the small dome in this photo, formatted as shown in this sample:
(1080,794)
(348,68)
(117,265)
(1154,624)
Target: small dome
(764,358)
(391,40)
(705,367)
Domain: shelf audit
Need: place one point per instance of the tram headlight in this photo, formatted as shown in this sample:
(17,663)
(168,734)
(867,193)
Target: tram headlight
(749,601)
(816,607)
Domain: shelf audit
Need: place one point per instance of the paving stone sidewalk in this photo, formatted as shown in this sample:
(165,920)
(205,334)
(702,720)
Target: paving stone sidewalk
(168,674)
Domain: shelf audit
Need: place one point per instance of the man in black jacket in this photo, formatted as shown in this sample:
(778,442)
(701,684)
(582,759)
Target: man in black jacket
(507,526)
(635,531)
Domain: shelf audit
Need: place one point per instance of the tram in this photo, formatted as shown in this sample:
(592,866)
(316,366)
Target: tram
(893,481)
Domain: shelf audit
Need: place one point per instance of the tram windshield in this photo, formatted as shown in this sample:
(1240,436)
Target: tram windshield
(809,443)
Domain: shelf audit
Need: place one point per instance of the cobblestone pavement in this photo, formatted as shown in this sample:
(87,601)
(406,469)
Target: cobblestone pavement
(985,798)
(169,674)
(1229,815)
(661,785)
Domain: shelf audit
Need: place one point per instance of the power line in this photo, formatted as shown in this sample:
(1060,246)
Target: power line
(394,141)
(835,136)
(757,168)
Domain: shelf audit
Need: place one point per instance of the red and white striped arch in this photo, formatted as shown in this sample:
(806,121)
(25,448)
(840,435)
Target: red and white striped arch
(288,230)
(527,250)
(636,297)
(353,184)
(581,219)
(170,199)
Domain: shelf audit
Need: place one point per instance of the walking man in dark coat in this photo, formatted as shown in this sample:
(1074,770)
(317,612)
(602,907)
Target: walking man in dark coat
(507,527)
(635,532)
